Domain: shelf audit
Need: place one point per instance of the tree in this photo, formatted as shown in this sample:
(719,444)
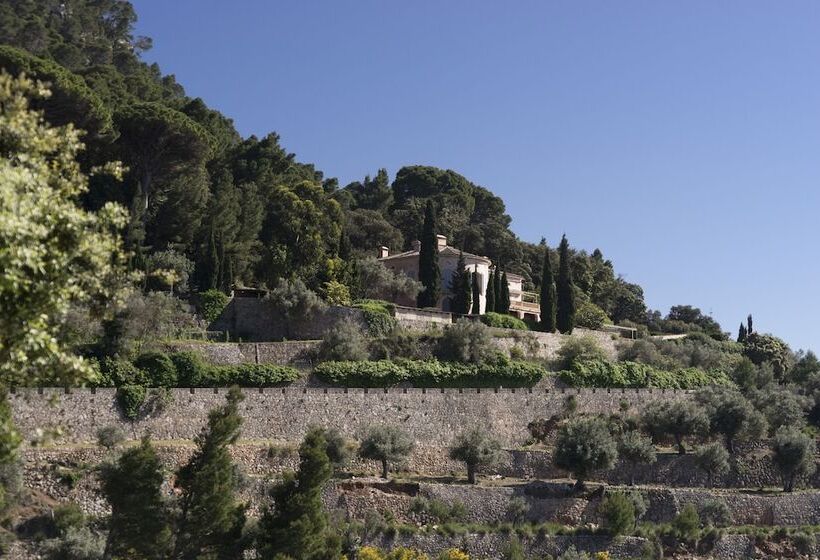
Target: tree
(461,288)
(376,281)
(476,449)
(732,415)
(548,295)
(9,445)
(618,513)
(504,295)
(211,519)
(636,449)
(55,255)
(465,341)
(429,272)
(139,525)
(742,333)
(295,302)
(762,348)
(476,292)
(344,341)
(713,459)
(387,444)
(793,454)
(565,291)
(749,325)
(678,419)
(489,306)
(584,445)
(296,525)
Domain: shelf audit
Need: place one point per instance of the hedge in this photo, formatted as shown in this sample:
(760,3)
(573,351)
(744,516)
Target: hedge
(605,374)
(503,321)
(426,373)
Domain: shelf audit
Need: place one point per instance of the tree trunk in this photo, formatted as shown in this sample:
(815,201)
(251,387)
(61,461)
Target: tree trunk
(471,474)
(730,445)
(384,468)
(789,486)
(679,441)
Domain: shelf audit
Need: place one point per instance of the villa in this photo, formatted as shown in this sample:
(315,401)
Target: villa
(523,305)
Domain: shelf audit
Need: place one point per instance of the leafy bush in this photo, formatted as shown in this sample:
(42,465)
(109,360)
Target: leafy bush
(249,375)
(336,293)
(602,373)
(211,304)
(68,516)
(159,368)
(130,399)
(762,348)
(378,315)
(115,372)
(191,369)
(715,512)
(503,321)
(686,524)
(344,341)
(441,511)
(579,348)
(465,341)
(713,459)
(618,513)
(110,436)
(584,445)
(76,544)
(384,373)
(590,316)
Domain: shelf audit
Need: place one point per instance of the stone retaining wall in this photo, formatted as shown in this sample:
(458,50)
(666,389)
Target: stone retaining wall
(286,413)
(297,352)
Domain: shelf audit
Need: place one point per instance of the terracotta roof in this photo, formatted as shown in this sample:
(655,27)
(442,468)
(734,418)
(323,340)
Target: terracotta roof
(447,250)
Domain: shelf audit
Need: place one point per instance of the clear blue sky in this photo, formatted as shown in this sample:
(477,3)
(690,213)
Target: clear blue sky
(682,139)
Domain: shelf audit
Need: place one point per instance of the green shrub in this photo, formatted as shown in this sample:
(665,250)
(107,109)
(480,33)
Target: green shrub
(579,349)
(130,399)
(603,373)
(191,369)
(68,516)
(344,341)
(110,436)
(465,341)
(384,373)
(687,524)
(618,513)
(159,368)
(249,375)
(211,304)
(115,372)
(590,316)
(503,321)
(378,315)
(715,512)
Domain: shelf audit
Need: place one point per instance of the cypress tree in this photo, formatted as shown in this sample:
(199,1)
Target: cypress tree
(461,288)
(429,272)
(498,306)
(504,294)
(489,307)
(741,333)
(565,291)
(296,526)
(749,329)
(211,519)
(548,304)
(138,527)
(476,292)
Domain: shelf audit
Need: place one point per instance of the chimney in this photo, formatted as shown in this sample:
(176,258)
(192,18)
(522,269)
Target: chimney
(416,244)
(383,252)
(441,242)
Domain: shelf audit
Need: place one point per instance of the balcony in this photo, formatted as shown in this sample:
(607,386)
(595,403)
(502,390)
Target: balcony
(528,302)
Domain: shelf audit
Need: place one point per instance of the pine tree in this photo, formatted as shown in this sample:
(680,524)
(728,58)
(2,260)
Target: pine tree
(138,527)
(296,526)
(489,307)
(461,288)
(429,272)
(211,520)
(476,292)
(504,294)
(548,303)
(742,333)
(565,291)
(497,306)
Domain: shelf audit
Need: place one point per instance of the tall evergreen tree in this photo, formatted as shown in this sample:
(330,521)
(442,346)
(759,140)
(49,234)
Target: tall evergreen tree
(211,519)
(749,326)
(742,333)
(504,294)
(489,306)
(296,526)
(476,292)
(429,272)
(565,290)
(498,306)
(461,288)
(139,526)
(548,303)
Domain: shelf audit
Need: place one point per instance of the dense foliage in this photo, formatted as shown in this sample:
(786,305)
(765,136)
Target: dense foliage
(602,373)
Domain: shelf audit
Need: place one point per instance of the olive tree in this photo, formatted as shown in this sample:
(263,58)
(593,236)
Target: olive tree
(793,455)
(678,419)
(476,449)
(387,444)
(584,445)
(713,459)
(636,449)
(732,415)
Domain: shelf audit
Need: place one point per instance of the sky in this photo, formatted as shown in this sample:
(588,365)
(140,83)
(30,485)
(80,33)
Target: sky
(680,138)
